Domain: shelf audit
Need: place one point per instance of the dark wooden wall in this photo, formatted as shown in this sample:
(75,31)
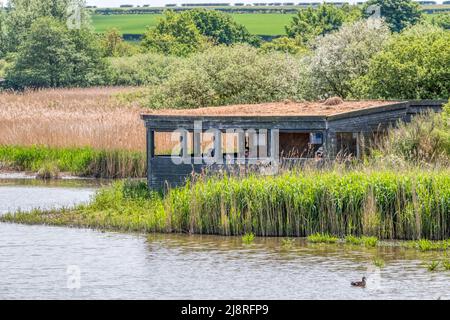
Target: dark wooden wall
(163,171)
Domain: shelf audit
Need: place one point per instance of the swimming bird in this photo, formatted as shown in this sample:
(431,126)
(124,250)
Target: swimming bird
(360,284)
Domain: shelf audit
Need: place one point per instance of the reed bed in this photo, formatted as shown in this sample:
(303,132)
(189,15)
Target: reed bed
(384,204)
(86,132)
(372,205)
(66,118)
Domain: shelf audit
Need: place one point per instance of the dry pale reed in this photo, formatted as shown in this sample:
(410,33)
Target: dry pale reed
(71,118)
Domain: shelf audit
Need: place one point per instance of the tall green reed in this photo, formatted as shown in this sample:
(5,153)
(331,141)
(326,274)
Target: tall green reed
(384,204)
(78,161)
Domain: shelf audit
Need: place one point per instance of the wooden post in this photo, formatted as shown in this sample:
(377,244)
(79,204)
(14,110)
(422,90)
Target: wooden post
(150,154)
(218,156)
(197,136)
(263,150)
(252,144)
(197,147)
(357,137)
(275,146)
(241,146)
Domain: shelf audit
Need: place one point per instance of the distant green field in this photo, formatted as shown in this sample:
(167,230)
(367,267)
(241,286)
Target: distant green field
(256,23)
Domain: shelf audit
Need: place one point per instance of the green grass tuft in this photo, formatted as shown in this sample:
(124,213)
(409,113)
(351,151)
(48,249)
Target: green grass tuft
(322,238)
(370,241)
(366,241)
(248,238)
(428,245)
(446,265)
(48,170)
(378,262)
(433,266)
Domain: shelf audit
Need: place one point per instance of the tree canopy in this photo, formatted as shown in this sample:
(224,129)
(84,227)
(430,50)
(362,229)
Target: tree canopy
(53,56)
(312,22)
(220,27)
(414,65)
(190,31)
(22,13)
(175,34)
(398,14)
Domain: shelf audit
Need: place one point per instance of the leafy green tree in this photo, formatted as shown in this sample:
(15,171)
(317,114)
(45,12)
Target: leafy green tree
(398,14)
(43,60)
(175,34)
(89,67)
(414,65)
(111,42)
(220,27)
(193,30)
(22,13)
(53,56)
(352,12)
(312,22)
(3,44)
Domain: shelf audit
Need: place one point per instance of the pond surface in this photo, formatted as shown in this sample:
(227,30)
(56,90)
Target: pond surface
(27,194)
(39,262)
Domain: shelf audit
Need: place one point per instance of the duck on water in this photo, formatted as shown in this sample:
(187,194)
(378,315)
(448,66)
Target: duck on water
(360,284)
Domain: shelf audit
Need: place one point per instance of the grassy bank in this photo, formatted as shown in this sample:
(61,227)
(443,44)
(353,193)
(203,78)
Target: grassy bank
(84,161)
(384,204)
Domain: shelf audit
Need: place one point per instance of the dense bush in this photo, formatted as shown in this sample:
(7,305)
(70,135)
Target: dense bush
(414,65)
(286,45)
(141,69)
(113,45)
(228,75)
(425,140)
(441,20)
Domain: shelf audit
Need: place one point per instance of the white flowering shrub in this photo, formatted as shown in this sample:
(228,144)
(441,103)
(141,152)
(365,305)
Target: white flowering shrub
(342,57)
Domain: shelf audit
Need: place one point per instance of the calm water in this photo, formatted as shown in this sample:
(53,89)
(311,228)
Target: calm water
(38,262)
